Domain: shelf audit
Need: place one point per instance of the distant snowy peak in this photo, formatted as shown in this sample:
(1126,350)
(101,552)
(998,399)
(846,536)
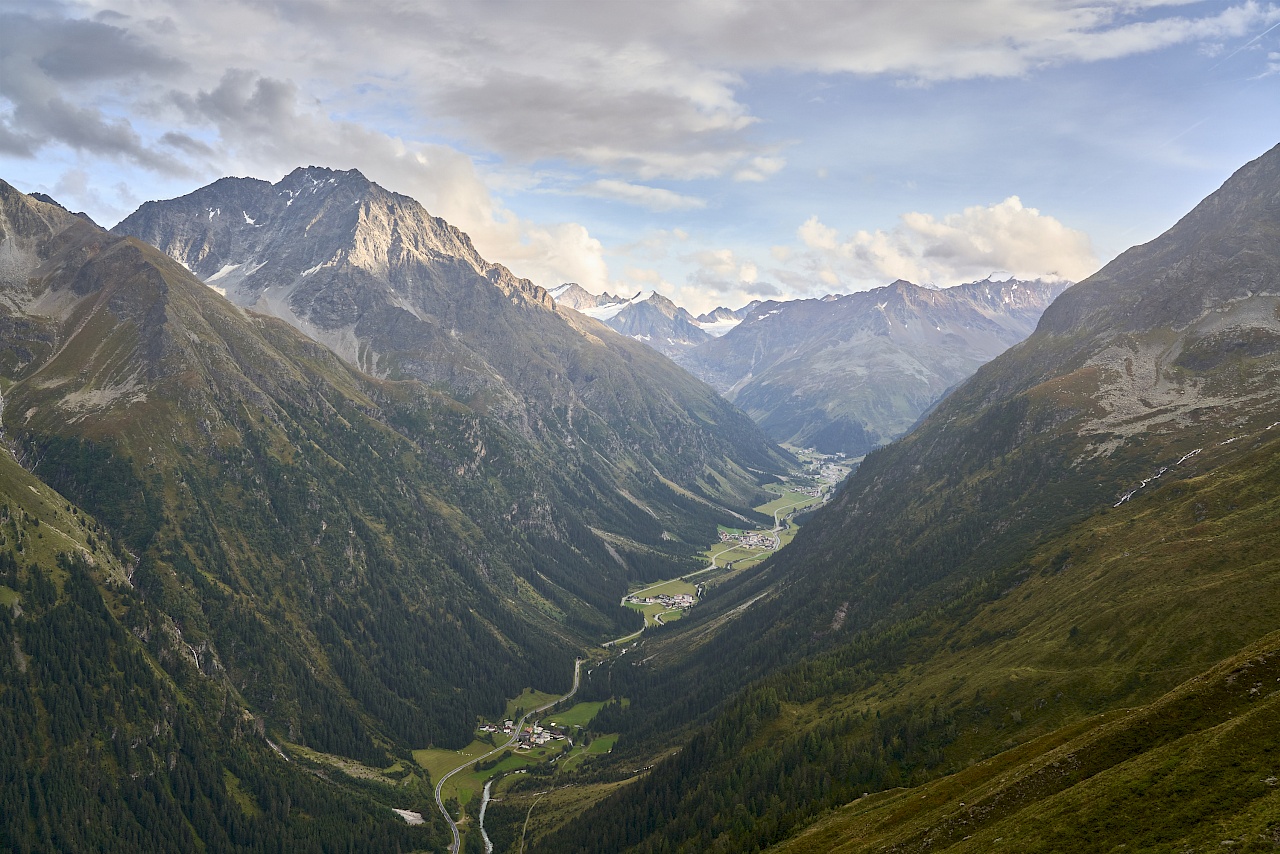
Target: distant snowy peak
(649,316)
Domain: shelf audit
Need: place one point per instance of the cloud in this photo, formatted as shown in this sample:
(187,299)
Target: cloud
(79,185)
(653,198)
(721,277)
(985,38)
(43,59)
(627,114)
(759,169)
(956,248)
(625,89)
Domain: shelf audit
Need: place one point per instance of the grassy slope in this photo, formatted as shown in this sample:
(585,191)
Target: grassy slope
(1194,770)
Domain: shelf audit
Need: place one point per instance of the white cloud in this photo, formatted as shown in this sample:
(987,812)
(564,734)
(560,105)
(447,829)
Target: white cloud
(721,277)
(759,169)
(627,90)
(958,247)
(653,198)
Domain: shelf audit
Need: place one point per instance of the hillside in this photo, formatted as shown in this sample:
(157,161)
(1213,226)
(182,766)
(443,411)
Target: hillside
(1085,526)
(113,735)
(845,374)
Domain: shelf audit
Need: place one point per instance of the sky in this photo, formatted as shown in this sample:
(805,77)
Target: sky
(716,150)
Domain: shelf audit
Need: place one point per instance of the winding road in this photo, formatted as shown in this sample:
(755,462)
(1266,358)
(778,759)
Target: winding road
(453,825)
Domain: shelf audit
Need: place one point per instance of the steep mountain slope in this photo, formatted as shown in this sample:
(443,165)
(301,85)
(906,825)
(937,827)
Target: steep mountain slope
(401,294)
(277,500)
(845,374)
(1084,526)
(113,739)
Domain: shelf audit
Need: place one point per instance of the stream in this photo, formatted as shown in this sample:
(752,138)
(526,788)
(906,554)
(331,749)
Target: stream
(484,802)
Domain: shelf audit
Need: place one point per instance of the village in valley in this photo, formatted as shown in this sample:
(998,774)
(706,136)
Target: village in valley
(750,539)
(737,549)
(674,602)
(531,735)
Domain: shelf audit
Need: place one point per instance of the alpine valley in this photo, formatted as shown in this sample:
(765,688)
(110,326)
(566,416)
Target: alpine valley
(299,493)
(846,374)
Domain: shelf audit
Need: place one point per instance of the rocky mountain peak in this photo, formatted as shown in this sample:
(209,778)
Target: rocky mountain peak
(334,254)
(717,314)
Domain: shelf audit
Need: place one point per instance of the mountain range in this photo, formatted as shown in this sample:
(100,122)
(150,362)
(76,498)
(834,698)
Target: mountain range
(400,294)
(846,374)
(840,374)
(651,318)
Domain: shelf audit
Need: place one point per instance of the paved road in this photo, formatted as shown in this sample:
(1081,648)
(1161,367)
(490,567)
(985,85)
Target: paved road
(453,825)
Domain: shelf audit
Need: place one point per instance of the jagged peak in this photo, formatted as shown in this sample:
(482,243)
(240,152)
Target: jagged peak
(22,215)
(324,173)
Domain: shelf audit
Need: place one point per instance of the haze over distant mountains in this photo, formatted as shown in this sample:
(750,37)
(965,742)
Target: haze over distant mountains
(845,374)
(842,374)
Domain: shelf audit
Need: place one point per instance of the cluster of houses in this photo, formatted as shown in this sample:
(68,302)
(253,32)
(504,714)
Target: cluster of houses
(679,600)
(753,539)
(531,735)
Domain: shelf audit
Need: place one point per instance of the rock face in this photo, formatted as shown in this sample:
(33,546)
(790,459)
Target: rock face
(574,296)
(845,374)
(401,294)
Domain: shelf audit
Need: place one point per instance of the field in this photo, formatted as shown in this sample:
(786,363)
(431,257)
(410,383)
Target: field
(579,715)
(440,762)
(788,499)
(528,700)
(735,556)
(467,784)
